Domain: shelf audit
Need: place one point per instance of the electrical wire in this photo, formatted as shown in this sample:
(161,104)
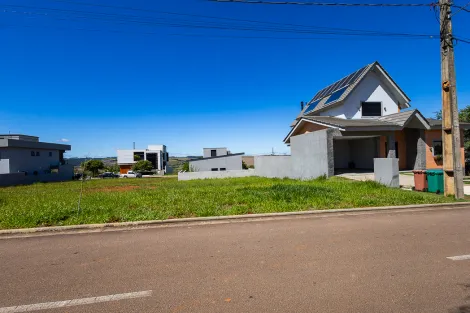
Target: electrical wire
(124,19)
(329,3)
(461,40)
(464,8)
(196,15)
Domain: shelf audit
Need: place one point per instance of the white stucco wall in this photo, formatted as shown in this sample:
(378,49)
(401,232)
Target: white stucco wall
(219,152)
(369,89)
(211,175)
(229,162)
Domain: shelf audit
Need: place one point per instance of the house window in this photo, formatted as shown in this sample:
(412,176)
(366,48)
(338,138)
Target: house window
(50,154)
(223,169)
(214,169)
(37,153)
(213,153)
(437,147)
(32,153)
(371,108)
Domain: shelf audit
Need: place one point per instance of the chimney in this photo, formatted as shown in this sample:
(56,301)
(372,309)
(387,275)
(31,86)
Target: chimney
(301,105)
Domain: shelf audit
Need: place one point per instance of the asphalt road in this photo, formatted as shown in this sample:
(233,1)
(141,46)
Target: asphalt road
(383,262)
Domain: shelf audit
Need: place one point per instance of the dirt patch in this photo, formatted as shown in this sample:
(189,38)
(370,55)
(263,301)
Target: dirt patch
(114,189)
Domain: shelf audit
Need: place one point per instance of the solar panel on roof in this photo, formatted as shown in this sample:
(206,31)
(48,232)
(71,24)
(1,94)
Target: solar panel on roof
(336,95)
(311,107)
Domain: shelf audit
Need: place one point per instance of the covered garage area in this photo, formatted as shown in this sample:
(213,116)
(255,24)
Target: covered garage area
(352,153)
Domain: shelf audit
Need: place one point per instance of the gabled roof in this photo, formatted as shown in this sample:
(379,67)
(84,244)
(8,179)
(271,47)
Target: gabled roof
(403,118)
(335,93)
(395,121)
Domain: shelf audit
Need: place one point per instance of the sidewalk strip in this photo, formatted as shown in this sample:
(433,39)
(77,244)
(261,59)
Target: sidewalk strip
(459,257)
(75,302)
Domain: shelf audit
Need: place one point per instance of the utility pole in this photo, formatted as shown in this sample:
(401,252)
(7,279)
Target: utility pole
(452,162)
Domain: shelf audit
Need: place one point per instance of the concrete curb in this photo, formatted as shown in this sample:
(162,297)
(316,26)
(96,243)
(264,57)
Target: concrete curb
(219,218)
(98,227)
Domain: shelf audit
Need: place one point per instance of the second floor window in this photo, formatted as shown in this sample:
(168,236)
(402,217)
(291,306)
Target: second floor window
(50,154)
(37,153)
(371,109)
(213,153)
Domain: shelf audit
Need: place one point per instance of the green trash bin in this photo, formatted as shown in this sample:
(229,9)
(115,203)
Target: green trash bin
(435,181)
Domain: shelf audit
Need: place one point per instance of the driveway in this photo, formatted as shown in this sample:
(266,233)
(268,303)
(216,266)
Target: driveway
(403,261)
(407,181)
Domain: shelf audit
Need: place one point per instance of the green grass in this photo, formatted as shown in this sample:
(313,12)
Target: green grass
(120,200)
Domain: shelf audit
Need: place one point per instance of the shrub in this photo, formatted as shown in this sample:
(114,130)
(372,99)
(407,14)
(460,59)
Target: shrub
(142,166)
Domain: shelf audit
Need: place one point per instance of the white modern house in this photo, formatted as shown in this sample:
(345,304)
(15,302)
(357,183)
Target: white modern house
(215,152)
(156,154)
(217,159)
(24,159)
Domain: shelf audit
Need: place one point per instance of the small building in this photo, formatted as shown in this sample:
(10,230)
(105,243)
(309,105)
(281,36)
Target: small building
(215,152)
(156,154)
(217,159)
(24,159)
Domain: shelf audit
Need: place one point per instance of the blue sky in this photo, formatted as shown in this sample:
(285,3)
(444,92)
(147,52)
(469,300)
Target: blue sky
(104,84)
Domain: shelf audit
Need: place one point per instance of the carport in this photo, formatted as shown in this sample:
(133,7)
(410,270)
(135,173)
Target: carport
(352,153)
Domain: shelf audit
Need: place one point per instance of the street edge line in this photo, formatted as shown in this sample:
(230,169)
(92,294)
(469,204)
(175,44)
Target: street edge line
(216,218)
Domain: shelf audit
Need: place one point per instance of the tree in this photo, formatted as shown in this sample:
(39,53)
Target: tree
(244,166)
(142,166)
(113,168)
(136,157)
(93,166)
(464,116)
(185,167)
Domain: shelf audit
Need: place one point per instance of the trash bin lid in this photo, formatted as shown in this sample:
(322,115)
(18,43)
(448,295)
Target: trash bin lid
(419,172)
(435,172)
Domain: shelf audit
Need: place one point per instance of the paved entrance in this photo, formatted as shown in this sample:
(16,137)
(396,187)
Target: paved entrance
(406,180)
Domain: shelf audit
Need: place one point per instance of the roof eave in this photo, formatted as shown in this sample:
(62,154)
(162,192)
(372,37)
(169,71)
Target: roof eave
(287,139)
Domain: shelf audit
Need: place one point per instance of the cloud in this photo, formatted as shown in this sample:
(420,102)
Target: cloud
(63,140)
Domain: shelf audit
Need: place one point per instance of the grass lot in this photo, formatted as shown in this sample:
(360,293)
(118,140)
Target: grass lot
(120,200)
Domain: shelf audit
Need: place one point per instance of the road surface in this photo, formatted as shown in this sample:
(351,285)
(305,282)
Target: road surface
(380,262)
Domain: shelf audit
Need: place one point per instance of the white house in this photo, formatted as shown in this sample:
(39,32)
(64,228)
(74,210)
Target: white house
(362,116)
(217,159)
(156,154)
(24,159)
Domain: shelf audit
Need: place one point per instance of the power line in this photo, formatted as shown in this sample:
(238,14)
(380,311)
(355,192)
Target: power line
(464,8)
(125,19)
(461,40)
(209,36)
(331,3)
(195,15)
(218,26)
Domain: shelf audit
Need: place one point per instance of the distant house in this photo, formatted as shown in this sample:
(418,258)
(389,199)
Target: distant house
(215,152)
(217,159)
(24,159)
(156,154)
(364,115)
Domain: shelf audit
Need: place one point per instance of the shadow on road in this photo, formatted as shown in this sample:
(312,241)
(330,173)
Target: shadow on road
(466,307)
